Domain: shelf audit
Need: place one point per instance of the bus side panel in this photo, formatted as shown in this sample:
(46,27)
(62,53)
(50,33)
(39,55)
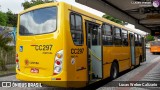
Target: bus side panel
(154,49)
(124,60)
(76,56)
(121,54)
(137,54)
(107,60)
(140,53)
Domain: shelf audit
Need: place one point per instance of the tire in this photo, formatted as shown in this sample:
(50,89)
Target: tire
(114,71)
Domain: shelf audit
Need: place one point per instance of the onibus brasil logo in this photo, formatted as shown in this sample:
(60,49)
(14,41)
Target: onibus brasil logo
(156,3)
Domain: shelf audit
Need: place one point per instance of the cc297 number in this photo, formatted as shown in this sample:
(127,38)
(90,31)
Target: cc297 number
(43,47)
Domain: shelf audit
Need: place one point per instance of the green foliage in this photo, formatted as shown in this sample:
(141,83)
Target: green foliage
(12,19)
(27,4)
(4,47)
(150,38)
(113,19)
(5,40)
(8,19)
(3,19)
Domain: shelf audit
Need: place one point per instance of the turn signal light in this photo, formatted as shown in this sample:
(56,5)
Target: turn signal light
(59,55)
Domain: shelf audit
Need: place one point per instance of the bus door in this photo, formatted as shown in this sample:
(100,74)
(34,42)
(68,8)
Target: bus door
(93,34)
(132,49)
(143,49)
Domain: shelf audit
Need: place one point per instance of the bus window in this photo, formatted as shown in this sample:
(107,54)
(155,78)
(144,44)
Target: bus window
(140,40)
(72,22)
(155,43)
(117,36)
(40,21)
(136,39)
(125,38)
(76,29)
(95,35)
(107,35)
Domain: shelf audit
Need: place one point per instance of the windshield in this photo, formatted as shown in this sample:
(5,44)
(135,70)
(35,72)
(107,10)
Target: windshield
(38,21)
(157,43)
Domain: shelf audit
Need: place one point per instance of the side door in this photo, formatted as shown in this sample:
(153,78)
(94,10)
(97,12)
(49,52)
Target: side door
(93,34)
(132,49)
(143,49)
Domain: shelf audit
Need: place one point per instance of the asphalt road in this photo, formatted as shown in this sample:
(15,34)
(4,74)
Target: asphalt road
(128,75)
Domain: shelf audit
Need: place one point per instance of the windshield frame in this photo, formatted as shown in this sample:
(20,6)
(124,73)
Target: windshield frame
(38,9)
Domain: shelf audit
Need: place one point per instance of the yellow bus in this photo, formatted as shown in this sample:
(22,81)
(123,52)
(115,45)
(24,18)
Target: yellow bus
(65,46)
(155,47)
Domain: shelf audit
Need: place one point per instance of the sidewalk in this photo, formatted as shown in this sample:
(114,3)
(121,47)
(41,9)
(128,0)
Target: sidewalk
(148,71)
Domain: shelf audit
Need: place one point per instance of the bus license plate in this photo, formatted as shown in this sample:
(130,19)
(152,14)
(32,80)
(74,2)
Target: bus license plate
(34,70)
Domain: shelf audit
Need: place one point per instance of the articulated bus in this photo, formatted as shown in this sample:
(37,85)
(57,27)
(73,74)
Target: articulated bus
(63,45)
(155,47)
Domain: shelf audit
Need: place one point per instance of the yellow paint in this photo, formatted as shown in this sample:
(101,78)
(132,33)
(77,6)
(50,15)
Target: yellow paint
(61,40)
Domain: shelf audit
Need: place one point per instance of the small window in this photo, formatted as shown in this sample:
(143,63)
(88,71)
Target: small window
(95,36)
(117,36)
(72,22)
(78,22)
(136,39)
(125,38)
(76,29)
(140,40)
(107,35)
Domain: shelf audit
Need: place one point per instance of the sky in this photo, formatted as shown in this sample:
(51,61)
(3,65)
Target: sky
(16,7)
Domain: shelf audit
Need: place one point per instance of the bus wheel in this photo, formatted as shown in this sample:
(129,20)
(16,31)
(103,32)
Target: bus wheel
(114,71)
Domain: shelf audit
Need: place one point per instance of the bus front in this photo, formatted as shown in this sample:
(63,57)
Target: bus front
(39,46)
(155,47)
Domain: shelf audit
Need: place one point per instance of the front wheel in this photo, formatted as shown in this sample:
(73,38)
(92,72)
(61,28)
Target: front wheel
(114,71)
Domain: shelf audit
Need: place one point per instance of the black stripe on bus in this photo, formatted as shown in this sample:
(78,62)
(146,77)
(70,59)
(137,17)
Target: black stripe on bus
(81,69)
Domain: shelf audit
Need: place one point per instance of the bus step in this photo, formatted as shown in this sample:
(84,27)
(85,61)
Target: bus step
(94,80)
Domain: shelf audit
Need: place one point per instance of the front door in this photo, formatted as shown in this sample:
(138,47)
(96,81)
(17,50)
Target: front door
(132,49)
(94,51)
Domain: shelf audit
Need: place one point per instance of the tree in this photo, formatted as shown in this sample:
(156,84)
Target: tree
(4,40)
(149,38)
(3,19)
(114,19)
(8,19)
(27,4)
(12,19)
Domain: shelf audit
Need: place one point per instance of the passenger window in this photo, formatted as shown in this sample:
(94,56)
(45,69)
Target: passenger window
(140,40)
(136,39)
(107,35)
(78,22)
(76,29)
(72,22)
(95,35)
(117,36)
(125,37)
